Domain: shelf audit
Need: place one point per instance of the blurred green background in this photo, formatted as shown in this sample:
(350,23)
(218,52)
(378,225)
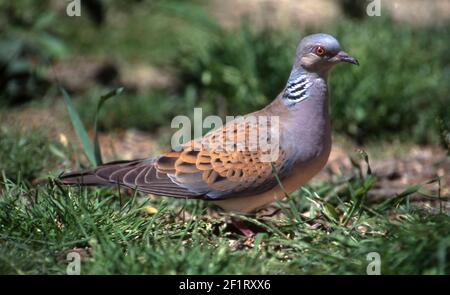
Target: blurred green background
(228,57)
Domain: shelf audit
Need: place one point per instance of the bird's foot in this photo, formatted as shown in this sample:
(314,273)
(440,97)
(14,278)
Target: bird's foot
(242,227)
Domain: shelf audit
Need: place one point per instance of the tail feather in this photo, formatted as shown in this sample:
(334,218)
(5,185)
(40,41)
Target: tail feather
(92,177)
(135,174)
(85,178)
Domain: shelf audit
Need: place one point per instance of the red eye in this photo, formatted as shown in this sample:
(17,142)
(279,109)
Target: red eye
(320,51)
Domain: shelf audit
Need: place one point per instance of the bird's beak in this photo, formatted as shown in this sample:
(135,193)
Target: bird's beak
(343,56)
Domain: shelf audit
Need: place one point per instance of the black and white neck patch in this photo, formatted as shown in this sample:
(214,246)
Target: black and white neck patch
(297,89)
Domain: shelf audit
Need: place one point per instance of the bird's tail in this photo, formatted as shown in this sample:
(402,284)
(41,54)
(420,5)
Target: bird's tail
(99,176)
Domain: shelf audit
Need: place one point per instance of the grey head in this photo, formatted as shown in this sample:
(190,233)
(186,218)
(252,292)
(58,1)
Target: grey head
(316,55)
(319,53)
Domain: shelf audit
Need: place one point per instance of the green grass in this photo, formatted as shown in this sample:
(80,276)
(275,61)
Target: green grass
(25,154)
(40,224)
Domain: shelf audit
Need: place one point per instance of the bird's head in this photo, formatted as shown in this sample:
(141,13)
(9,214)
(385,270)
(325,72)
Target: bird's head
(320,52)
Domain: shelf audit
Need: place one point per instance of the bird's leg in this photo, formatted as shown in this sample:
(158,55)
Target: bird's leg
(242,227)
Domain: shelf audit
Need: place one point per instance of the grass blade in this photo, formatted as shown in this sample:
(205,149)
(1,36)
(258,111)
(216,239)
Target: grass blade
(103,99)
(80,130)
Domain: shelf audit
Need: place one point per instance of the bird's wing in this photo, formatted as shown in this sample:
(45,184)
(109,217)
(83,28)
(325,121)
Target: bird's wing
(216,167)
(225,163)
